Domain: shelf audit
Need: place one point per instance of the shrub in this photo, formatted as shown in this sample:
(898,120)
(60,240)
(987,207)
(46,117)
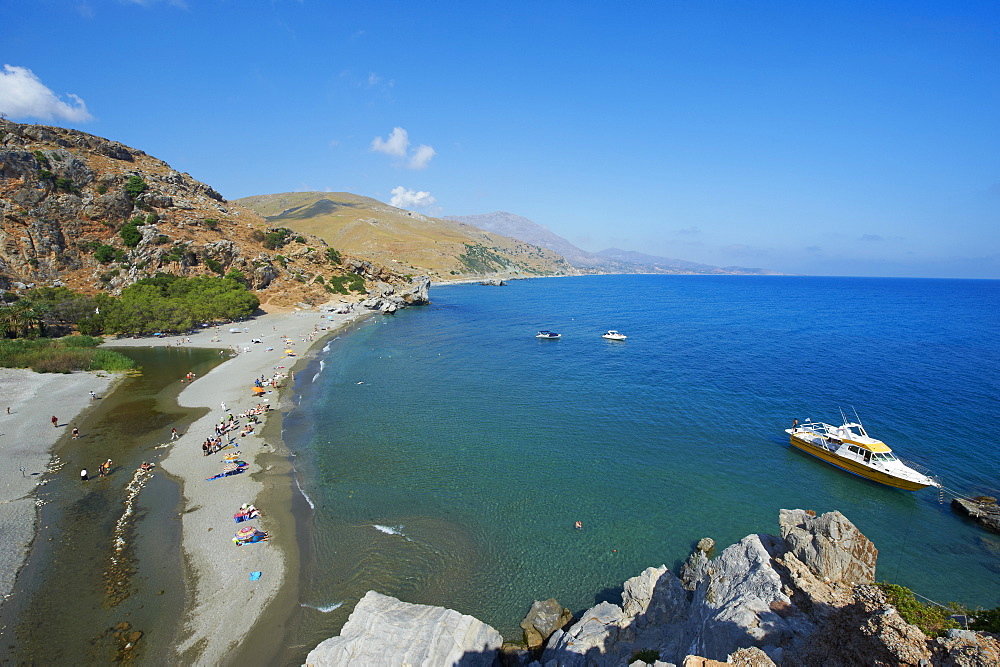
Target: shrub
(135,186)
(257,236)
(151,218)
(986,620)
(104,253)
(33,262)
(300,239)
(211,223)
(933,621)
(42,160)
(161,239)
(214,265)
(333,256)
(102,189)
(130,232)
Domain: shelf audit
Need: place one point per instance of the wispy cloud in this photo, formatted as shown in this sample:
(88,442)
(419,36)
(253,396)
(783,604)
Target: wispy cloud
(403,198)
(872,237)
(421,156)
(397,144)
(23,95)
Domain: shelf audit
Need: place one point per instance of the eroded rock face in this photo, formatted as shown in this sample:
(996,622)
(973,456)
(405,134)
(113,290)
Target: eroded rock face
(829,545)
(983,510)
(385,631)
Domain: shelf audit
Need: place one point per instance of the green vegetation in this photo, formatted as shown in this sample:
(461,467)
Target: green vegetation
(333,256)
(161,239)
(211,223)
(130,231)
(104,253)
(135,186)
(480,259)
(277,238)
(932,620)
(42,160)
(169,303)
(986,620)
(61,355)
(151,218)
(102,189)
(646,655)
(214,265)
(346,284)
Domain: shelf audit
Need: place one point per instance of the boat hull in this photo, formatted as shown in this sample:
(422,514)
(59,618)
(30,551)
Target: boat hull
(855,467)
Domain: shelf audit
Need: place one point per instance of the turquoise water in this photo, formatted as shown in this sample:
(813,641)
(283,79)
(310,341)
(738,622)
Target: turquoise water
(448,452)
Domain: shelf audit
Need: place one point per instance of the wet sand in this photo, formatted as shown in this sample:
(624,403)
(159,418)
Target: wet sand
(26,441)
(224,604)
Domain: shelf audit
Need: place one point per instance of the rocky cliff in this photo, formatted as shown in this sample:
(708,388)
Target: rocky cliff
(95,215)
(804,598)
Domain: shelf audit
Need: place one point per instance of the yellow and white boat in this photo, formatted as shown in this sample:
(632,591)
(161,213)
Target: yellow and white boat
(850,448)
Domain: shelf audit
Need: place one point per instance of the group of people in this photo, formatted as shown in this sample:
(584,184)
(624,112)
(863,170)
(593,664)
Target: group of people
(103,470)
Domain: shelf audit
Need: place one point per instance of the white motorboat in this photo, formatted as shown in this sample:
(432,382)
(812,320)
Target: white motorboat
(614,335)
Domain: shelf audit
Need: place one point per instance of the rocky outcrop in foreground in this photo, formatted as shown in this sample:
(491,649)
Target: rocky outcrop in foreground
(805,598)
(384,631)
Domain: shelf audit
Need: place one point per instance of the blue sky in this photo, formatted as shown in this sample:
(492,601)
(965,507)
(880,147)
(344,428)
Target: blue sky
(837,138)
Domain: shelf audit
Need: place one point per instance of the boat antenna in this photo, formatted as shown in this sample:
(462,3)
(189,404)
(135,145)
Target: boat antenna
(843,417)
(856,414)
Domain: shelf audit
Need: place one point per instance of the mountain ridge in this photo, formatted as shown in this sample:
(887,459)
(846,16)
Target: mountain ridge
(611,260)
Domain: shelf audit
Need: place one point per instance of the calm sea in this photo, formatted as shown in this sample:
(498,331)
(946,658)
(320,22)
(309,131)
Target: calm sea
(448,453)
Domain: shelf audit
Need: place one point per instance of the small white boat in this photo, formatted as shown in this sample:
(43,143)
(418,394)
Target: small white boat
(850,448)
(614,335)
(548,335)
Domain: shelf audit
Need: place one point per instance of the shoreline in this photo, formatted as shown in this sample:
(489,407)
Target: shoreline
(27,442)
(222,604)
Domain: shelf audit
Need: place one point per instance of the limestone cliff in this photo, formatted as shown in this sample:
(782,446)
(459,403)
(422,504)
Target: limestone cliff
(68,199)
(804,598)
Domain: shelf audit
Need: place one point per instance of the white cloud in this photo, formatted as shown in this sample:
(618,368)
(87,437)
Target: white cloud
(22,94)
(373,79)
(421,156)
(396,144)
(403,198)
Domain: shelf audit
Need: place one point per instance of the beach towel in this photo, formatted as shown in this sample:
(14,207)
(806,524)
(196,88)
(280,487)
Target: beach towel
(254,576)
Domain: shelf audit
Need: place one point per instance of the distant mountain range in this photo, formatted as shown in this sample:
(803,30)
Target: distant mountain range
(612,260)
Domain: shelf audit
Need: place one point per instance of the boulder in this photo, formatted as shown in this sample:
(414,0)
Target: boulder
(544,618)
(829,545)
(385,631)
(983,510)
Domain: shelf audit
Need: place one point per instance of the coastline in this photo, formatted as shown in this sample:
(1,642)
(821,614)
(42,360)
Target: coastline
(223,605)
(27,440)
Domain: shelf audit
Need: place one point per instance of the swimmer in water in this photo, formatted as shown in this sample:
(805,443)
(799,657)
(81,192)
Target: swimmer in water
(578,525)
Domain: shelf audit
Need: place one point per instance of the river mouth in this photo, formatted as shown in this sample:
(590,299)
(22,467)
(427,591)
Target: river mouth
(95,588)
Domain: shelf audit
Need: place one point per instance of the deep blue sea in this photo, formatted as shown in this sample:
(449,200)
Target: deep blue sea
(448,452)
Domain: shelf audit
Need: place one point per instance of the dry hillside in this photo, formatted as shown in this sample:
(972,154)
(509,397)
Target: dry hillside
(411,242)
(67,199)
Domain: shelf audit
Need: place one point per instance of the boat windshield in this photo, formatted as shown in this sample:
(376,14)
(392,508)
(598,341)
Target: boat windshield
(883,456)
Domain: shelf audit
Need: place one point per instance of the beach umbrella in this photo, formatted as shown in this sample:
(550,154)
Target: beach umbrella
(258,390)
(246,532)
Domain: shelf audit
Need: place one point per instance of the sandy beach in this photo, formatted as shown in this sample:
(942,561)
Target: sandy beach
(223,602)
(28,401)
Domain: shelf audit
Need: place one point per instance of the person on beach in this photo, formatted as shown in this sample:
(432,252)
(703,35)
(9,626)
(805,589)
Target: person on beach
(173,434)
(83,475)
(223,406)
(76,433)
(55,422)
